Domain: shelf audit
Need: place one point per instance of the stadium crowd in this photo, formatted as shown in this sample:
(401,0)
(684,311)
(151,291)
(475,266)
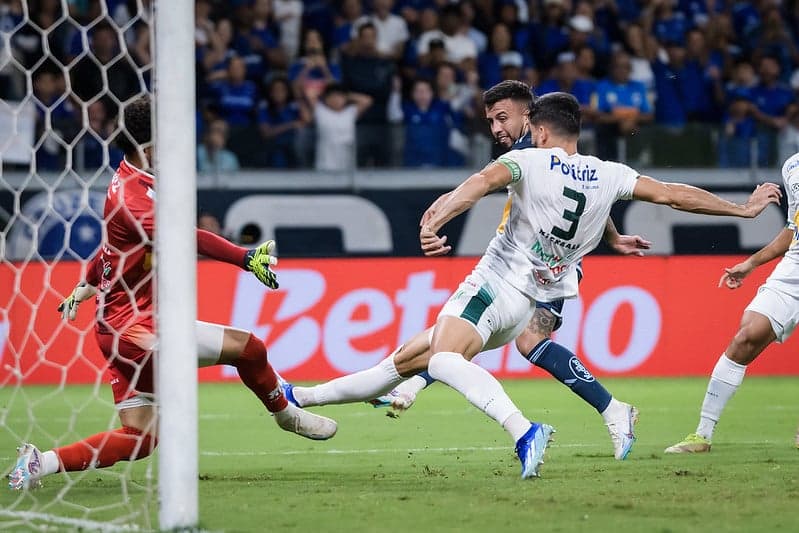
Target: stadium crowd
(335,84)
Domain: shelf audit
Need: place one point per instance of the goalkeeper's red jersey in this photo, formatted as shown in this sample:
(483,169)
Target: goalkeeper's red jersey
(123,266)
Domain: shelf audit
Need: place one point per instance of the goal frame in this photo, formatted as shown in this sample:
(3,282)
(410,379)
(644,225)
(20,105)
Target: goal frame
(175,263)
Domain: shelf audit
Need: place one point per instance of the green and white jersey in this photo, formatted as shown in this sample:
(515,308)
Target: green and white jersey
(558,208)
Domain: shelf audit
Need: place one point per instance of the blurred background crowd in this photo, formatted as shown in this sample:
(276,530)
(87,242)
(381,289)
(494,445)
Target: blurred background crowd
(342,84)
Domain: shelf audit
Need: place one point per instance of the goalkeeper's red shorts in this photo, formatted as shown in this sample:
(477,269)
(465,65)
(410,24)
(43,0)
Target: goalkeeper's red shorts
(130,361)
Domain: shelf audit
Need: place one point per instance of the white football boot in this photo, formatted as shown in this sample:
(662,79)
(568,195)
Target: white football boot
(621,427)
(27,470)
(305,423)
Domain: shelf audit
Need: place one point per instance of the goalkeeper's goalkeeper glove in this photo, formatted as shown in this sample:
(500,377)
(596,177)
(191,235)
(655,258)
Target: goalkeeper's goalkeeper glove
(69,307)
(258,262)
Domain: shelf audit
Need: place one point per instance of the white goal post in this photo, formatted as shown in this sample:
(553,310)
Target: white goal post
(175,260)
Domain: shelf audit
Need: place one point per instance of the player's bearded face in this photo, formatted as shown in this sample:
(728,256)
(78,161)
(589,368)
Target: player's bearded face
(508,121)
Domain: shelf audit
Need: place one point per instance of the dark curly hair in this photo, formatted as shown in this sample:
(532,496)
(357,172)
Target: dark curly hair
(137,125)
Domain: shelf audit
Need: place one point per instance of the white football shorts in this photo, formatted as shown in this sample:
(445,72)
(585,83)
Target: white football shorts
(497,310)
(779,305)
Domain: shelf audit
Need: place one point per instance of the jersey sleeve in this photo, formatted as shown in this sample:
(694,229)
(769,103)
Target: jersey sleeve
(625,178)
(790,177)
(513,162)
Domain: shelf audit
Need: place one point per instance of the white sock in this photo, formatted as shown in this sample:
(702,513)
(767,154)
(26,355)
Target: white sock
(357,387)
(50,463)
(724,381)
(480,388)
(411,386)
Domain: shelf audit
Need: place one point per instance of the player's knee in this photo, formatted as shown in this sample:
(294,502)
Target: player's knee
(745,346)
(253,350)
(529,340)
(410,363)
(147,442)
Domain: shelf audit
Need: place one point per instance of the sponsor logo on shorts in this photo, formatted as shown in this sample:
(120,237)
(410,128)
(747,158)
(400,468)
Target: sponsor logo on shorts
(579,371)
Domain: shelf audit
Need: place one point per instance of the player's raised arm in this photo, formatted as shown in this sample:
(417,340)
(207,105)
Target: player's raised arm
(695,200)
(493,177)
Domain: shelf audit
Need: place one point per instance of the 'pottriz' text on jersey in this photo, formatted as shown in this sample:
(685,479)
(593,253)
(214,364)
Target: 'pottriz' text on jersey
(559,206)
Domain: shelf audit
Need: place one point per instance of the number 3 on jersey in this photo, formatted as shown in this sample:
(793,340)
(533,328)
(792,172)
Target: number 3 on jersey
(571,216)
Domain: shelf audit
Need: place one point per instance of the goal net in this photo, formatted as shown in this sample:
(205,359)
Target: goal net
(67,69)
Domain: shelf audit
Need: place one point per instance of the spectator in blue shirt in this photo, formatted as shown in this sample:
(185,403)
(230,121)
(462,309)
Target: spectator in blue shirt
(49,91)
(215,55)
(411,10)
(212,156)
(585,59)
(236,98)
(669,25)
(670,105)
(702,77)
(488,63)
(741,85)
(685,86)
(91,151)
(279,120)
(351,10)
(622,106)
(566,79)
(428,124)
(771,99)
(583,32)
(549,37)
(746,19)
(255,39)
(737,132)
(695,12)
(772,38)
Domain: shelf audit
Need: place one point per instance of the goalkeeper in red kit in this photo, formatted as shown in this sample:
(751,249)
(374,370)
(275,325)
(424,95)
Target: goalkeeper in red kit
(121,276)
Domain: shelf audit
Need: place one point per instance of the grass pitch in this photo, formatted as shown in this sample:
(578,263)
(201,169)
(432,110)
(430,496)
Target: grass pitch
(443,466)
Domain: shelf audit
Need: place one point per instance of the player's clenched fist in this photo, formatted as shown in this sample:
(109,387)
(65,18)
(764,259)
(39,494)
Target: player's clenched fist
(69,307)
(258,262)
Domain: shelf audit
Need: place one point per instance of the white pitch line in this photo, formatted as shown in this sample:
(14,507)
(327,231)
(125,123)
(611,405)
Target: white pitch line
(211,453)
(215,453)
(61,520)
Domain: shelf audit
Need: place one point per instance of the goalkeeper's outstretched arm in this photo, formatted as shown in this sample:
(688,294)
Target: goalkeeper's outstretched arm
(257,261)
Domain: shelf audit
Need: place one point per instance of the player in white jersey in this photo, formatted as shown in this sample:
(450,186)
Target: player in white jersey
(771,316)
(507,110)
(552,187)
(560,201)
